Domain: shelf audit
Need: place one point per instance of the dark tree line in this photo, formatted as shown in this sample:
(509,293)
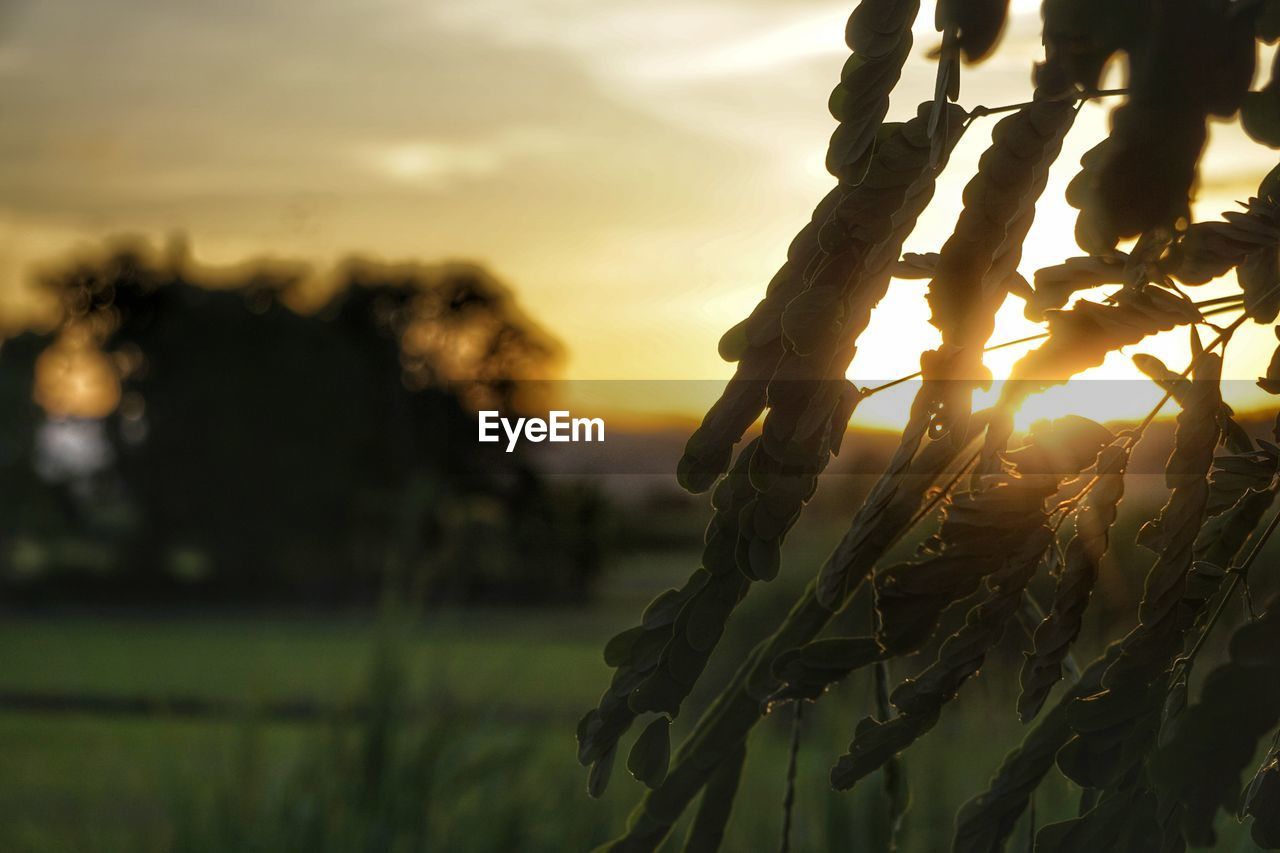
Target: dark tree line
(260,452)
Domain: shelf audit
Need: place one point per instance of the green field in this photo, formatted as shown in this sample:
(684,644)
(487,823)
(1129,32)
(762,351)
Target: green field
(490,750)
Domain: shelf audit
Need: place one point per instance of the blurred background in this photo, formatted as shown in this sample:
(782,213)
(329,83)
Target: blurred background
(260,264)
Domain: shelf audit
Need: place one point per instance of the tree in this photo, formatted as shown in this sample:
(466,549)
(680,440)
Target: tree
(268,452)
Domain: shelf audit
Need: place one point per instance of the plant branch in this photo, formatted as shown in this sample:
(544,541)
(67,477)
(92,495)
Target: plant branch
(1238,574)
(1218,306)
(789,799)
(980,110)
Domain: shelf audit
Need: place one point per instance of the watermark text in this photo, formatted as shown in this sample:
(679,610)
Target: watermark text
(558,426)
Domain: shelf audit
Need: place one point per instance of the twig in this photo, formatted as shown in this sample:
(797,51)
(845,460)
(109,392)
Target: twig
(789,798)
(1237,574)
(1040,336)
(980,111)
(892,770)
(1136,433)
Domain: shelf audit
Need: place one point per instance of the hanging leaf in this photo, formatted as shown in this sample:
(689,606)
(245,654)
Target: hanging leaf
(1081,35)
(1054,285)
(974,268)
(1117,725)
(598,778)
(1062,448)
(810,669)
(979,529)
(651,753)
(977,23)
(756,344)
(1124,819)
(1080,337)
(1053,637)
(1260,112)
(879,34)
(1247,240)
(1234,437)
(1271,382)
(1193,60)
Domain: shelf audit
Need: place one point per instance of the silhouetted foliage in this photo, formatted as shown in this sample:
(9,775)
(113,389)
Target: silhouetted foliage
(1149,778)
(263,452)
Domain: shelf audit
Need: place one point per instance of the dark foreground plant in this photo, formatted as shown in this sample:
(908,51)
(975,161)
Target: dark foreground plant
(1152,766)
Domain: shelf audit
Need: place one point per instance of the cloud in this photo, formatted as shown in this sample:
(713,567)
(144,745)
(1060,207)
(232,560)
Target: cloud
(635,169)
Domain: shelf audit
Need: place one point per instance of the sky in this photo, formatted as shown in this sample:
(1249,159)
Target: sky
(634,171)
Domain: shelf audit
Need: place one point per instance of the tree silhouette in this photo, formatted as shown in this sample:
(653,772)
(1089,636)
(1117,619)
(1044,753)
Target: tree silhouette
(267,452)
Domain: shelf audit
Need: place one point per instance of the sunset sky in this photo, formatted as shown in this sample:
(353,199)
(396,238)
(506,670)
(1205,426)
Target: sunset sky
(632,170)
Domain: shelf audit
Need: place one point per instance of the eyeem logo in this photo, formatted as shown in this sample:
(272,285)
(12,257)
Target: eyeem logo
(558,426)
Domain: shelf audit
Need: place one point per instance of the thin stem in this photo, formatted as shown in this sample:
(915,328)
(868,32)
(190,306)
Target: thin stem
(1031,822)
(940,495)
(1219,300)
(789,799)
(1077,500)
(1238,574)
(979,111)
(1136,433)
(893,770)
(1222,309)
(867,392)
(1223,337)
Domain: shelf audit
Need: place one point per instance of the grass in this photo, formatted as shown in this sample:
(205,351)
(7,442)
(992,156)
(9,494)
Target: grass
(491,768)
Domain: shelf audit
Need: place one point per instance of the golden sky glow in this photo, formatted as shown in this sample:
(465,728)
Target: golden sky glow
(633,170)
